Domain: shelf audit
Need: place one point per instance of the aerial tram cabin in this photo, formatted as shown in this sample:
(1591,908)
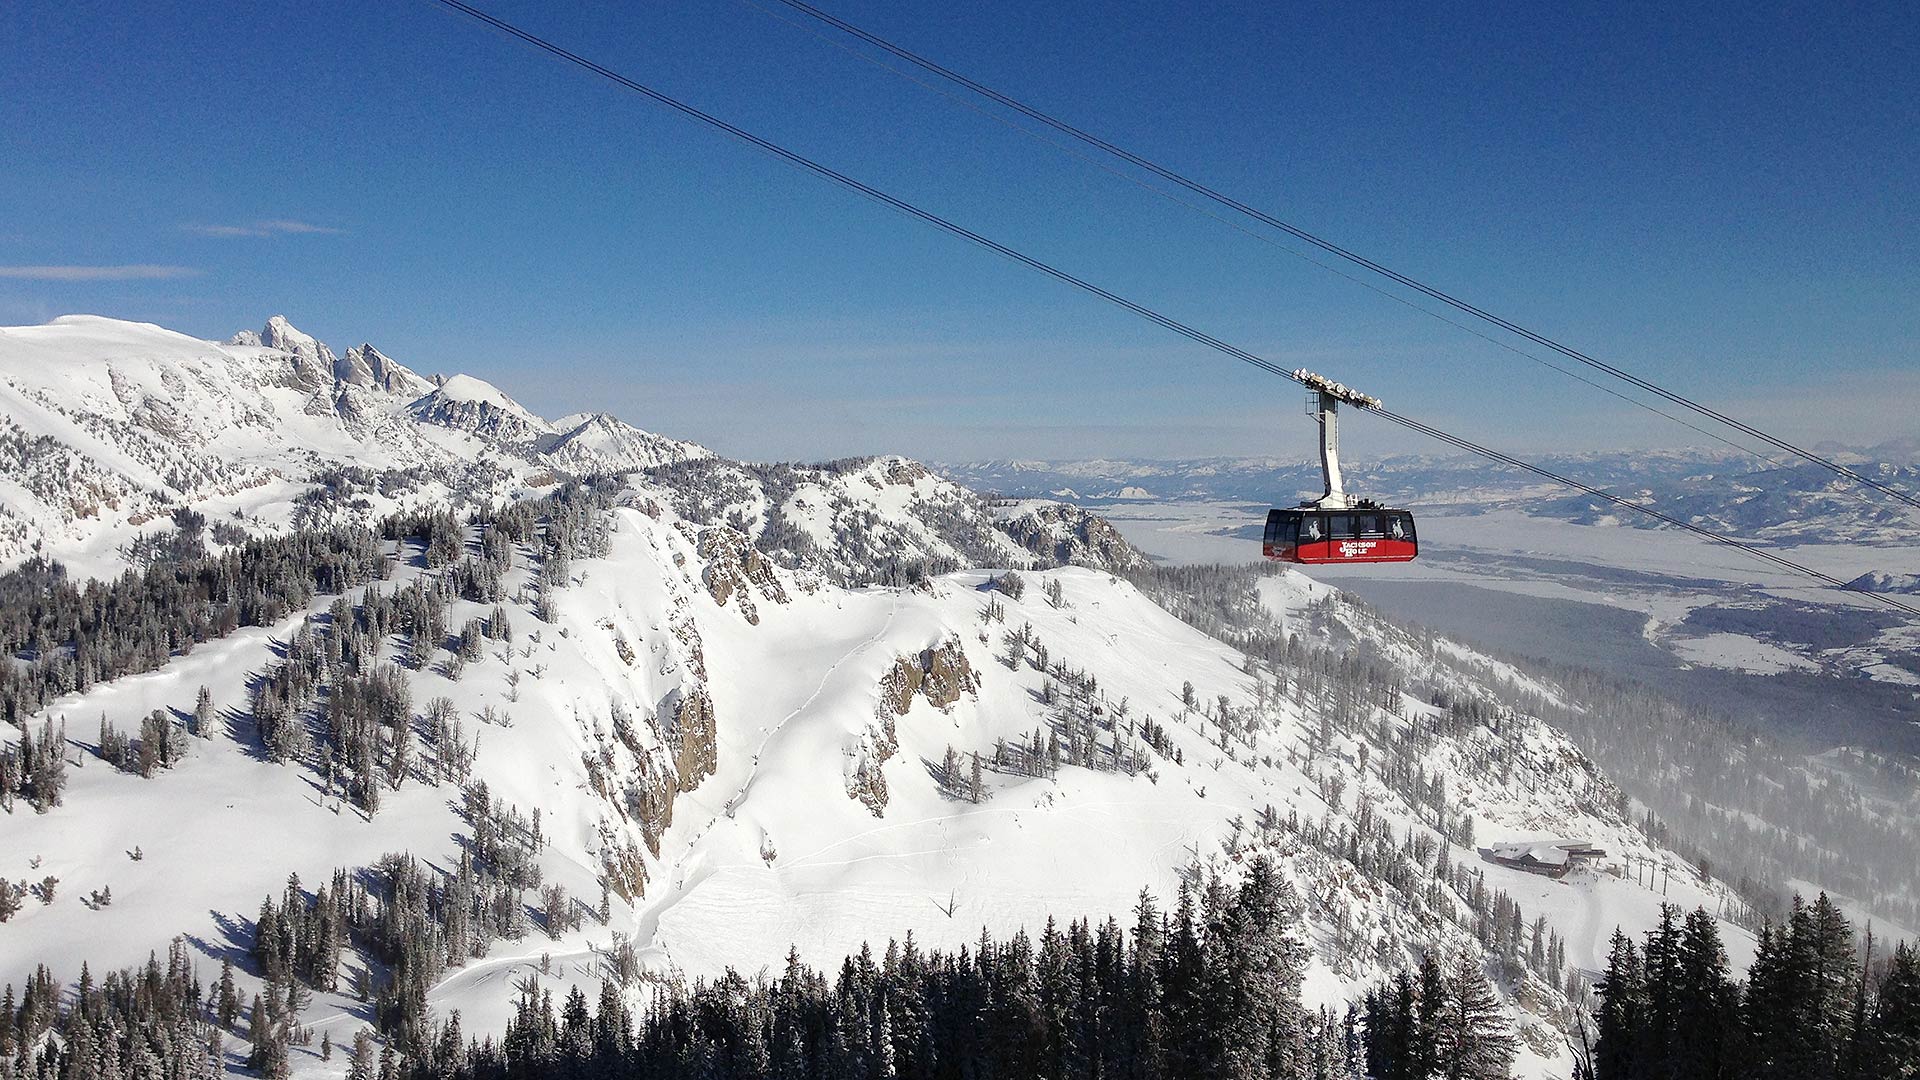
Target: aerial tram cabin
(1338,528)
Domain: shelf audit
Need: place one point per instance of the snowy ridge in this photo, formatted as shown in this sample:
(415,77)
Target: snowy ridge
(585,442)
(108,427)
(885,519)
(759,759)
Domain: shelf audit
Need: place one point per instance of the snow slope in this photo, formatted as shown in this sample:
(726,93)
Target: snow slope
(788,840)
(739,716)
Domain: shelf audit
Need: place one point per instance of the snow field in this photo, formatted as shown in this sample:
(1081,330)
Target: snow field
(770,851)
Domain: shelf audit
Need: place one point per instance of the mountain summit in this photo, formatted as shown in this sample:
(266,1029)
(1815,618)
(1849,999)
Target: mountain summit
(108,426)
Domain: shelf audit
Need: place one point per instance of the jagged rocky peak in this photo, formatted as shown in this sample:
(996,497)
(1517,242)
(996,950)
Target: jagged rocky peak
(1068,534)
(367,366)
(311,365)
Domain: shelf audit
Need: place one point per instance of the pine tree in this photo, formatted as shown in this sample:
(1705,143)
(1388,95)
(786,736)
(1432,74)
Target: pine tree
(1707,1015)
(260,1034)
(1893,1032)
(1622,993)
(1661,1029)
(1391,1013)
(1429,1020)
(1142,1051)
(203,713)
(1768,1009)
(1267,963)
(1832,983)
(228,1010)
(1184,979)
(1476,1040)
(361,1065)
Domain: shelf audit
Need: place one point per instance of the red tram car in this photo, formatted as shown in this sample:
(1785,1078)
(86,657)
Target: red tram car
(1336,527)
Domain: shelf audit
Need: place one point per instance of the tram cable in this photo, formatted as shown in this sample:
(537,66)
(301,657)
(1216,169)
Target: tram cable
(1357,259)
(1239,225)
(1183,329)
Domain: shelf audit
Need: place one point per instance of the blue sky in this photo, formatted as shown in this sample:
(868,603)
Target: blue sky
(1722,200)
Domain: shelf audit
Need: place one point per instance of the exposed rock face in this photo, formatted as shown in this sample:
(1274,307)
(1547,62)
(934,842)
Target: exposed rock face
(369,367)
(866,783)
(310,364)
(1067,535)
(693,739)
(478,408)
(644,760)
(735,568)
(625,869)
(948,674)
(899,684)
(904,471)
(940,674)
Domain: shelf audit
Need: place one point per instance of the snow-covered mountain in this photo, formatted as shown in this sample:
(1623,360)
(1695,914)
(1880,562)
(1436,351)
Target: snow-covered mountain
(755,706)
(107,427)
(477,407)
(751,758)
(585,442)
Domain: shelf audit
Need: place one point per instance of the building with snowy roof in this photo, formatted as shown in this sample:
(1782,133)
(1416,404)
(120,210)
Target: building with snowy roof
(1552,858)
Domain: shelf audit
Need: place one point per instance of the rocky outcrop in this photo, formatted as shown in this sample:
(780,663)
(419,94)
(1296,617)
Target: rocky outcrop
(310,363)
(477,407)
(904,471)
(940,674)
(737,569)
(624,868)
(948,674)
(866,782)
(867,785)
(649,800)
(693,737)
(1067,535)
(899,684)
(369,367)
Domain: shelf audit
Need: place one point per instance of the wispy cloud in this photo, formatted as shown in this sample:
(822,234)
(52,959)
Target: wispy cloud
(273,227)
(134,272)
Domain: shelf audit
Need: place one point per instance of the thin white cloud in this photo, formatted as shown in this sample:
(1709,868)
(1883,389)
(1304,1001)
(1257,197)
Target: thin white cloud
(133,272)
(259,229)
(284,225)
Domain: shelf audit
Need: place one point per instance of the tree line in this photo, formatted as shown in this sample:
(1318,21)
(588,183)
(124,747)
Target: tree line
(1211,988)
(67,636)
(1811,1008)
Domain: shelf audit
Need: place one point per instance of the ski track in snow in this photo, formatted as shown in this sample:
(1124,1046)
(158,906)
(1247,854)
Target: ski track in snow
(746,789)
(687,874)
(806,861)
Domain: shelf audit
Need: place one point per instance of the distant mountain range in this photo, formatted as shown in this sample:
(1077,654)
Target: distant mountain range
(1719,489)
(109,429)
(106,426)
